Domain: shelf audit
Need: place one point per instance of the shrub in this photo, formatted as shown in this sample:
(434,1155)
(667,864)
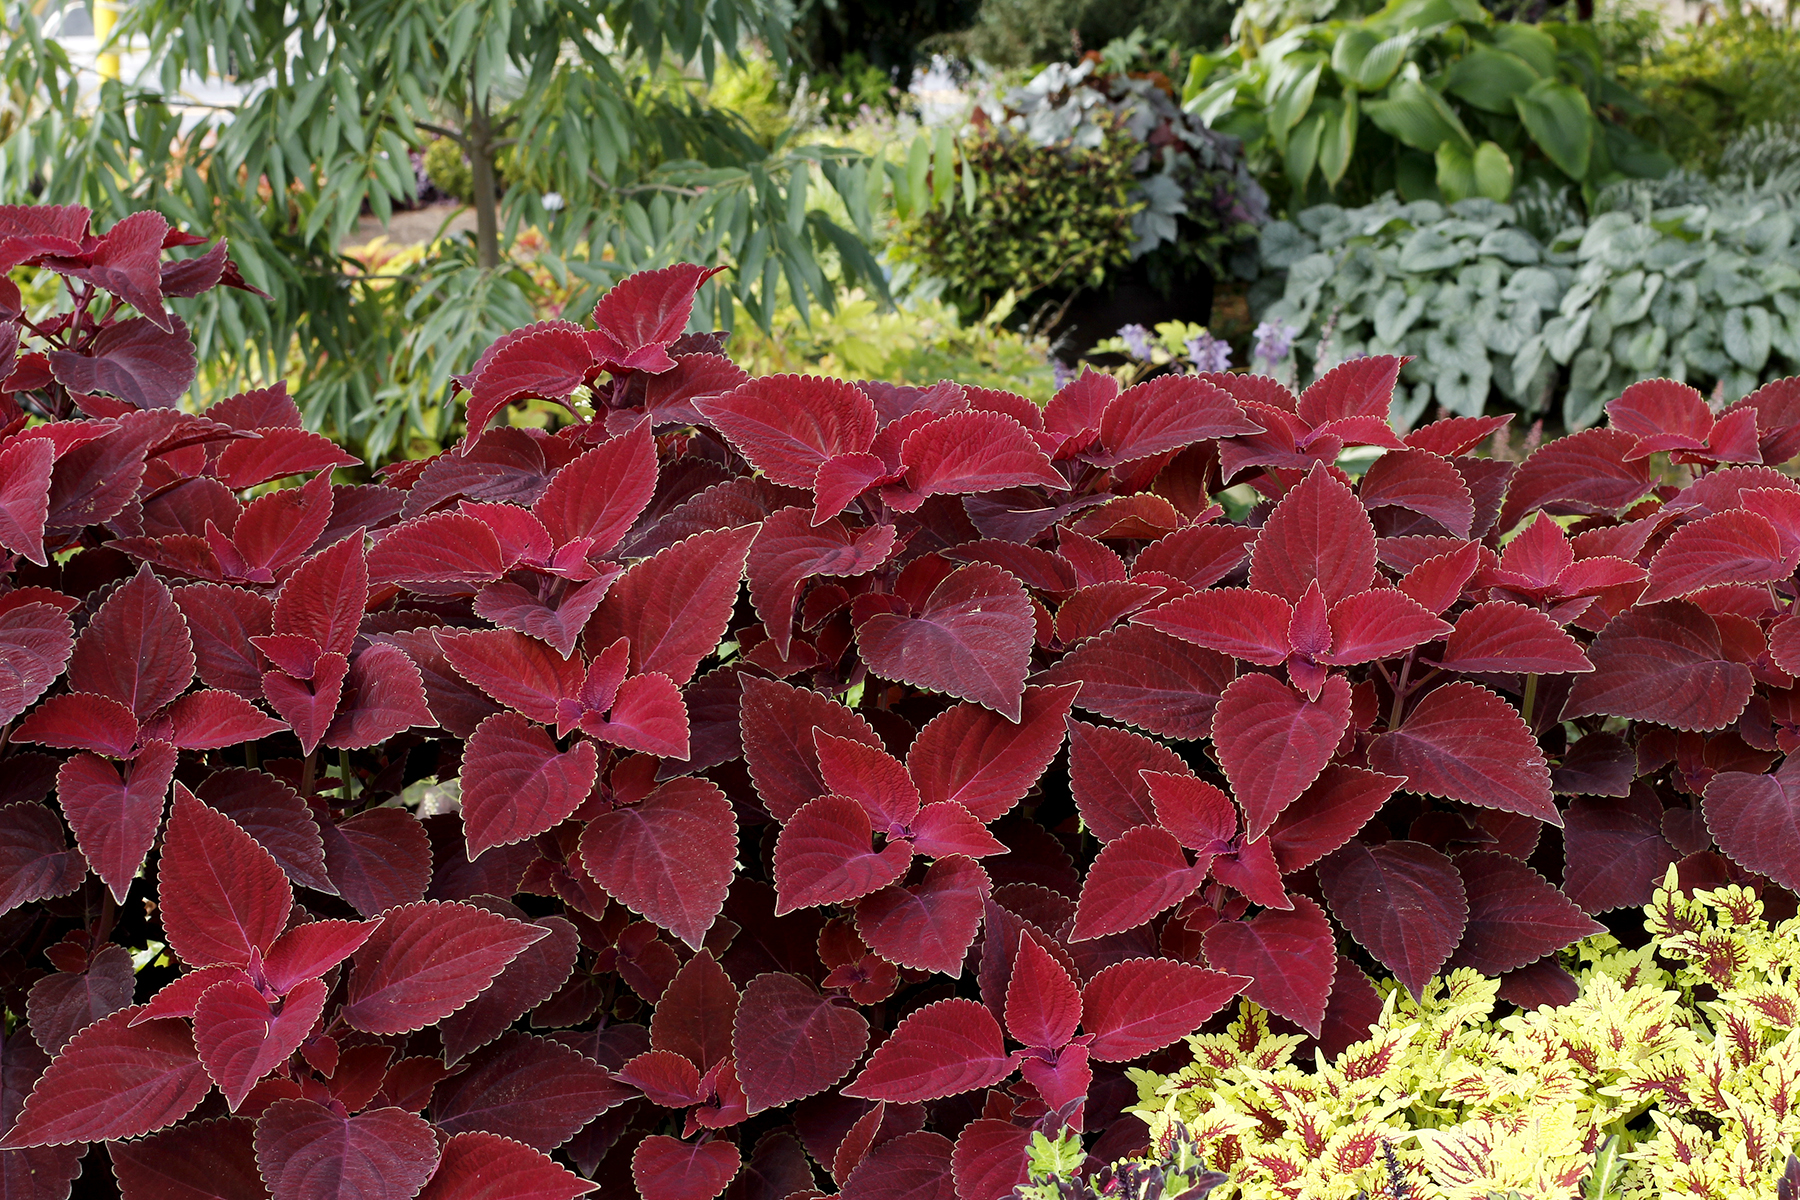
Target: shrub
(1708,293)
(1048,216)
(1433,98)
(809,881)
(1086,168)
(1707,83)
(1674,1073)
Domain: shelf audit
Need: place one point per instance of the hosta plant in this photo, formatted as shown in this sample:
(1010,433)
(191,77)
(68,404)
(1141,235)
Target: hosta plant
(1707,293)
(1036,736)
(1675,1073)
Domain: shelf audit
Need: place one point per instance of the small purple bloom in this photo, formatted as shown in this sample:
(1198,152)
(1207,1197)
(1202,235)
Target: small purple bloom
(1137,341)
(1274,342)
(1208,353)
(1061,373)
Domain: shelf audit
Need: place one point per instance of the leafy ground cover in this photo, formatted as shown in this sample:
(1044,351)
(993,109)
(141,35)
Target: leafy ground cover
(1041,734)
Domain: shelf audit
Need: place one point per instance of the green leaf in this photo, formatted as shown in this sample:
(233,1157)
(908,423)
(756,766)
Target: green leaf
(1490,79)
(1559,121)
(1303,150)
(1379,65)
(1337,140)
(1530,43)
(1455,172)
(1292,103)
(1352,48)
(1493,172)
(1414,113)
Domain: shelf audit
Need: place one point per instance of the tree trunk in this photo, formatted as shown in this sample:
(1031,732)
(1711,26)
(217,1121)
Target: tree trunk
(481,168)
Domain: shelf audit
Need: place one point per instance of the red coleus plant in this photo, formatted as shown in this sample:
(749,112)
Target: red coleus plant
(1019,758)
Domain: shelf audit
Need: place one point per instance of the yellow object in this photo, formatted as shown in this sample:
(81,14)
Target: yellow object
(106,15)
(1683,1056)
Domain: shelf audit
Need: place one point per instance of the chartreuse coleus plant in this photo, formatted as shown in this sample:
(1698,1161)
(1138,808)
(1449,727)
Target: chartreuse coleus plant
(1674,1072)
(1015,762)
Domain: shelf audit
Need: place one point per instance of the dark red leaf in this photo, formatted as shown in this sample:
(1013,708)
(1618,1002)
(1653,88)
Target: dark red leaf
(427,960)
(222,894)
(276,453)
(443,548)
(1317,533)
(1167,413)
(1379,624)
(1137,875)
(914,1166)
(779,723)
(83,721)
(1147,679)
(1272,742)
(1200,816)
(486,1166)
(825,855)
(1402,901)
(378,859)
(666,1078)
(693,1018)
(383,694)
(1199,555)
(789,549)
(1515,915)
(306,704)
(212,720)
(306,1151)
(308,951)
(643,315)
(1043,1001)
(1106,776)
(1438,581)
(1290,955)
(1240,622)
(241,1039)
(664,1167)
(1328,814)
(971,452)
(984,762)
(675,605)
(515,785)
(136,649)
(929,925)
(1613,848)
(113,1081)
(63,1003)
(791,1042)
(526,1088)
(115,818)
(1586,471)
(1502,636)
(274,814)
(325,596)
(526,982)
(1420,482)
(221,621)
(25,468)
(873,778)
(202,1160)
(940,1050)
(36,860)
(1756,821)
(600,494)
(128,263)
(788,425)
(972,639)
(1143,1004)
(35,641)
(133,360)
(1728,547)
(520,672)
(668,858)
(990,1160)
(549,361)
(1465,743)
(1664,663)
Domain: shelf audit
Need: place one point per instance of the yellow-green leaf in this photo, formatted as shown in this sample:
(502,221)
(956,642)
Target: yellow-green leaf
(1337,141)
(1490,79)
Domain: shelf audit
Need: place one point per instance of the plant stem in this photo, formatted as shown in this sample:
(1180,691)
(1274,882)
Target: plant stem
(307,770)
(481,169)
(1400,693)
(1529,700)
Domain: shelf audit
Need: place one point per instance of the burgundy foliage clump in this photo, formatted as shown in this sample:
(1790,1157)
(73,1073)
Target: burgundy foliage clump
(1016,760)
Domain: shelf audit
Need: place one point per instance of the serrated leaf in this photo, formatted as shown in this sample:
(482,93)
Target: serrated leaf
(428,959)
(943,1049)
